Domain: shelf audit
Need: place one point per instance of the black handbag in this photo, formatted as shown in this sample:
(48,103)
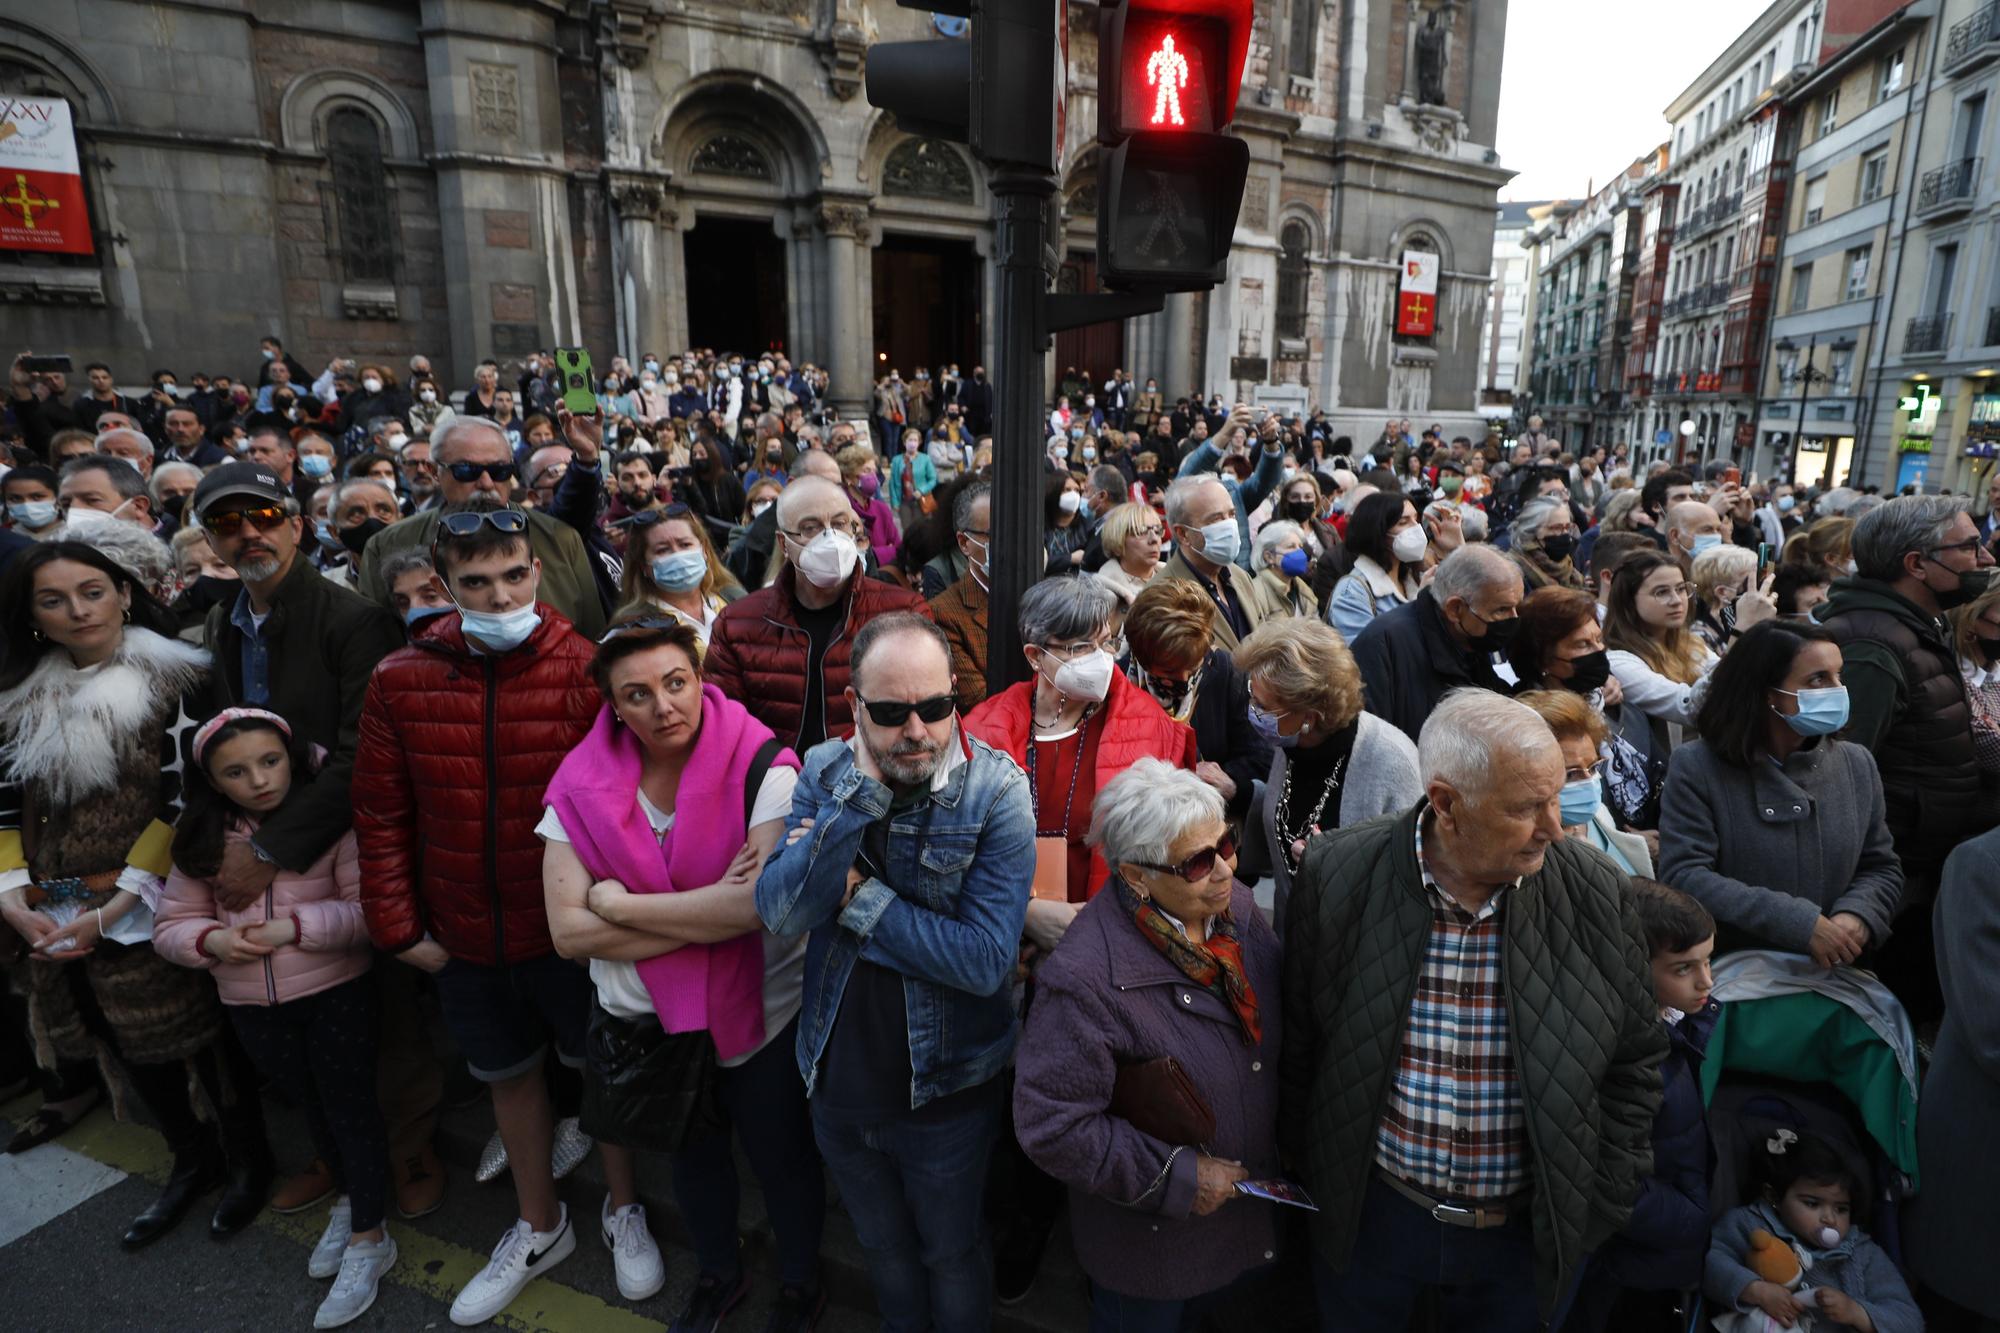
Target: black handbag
(646,1088)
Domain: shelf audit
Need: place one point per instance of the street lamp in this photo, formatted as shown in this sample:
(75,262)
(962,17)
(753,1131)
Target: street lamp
(1687,437)
(1807,374)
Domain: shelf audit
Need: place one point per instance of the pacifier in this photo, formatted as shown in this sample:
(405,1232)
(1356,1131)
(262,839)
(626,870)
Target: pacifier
(1828,1238)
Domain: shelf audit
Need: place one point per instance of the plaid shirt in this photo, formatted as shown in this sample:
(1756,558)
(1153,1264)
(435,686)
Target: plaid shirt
(1455,1126)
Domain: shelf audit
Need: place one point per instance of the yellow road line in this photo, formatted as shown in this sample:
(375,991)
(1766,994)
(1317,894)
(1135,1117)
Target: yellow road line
(437,1268)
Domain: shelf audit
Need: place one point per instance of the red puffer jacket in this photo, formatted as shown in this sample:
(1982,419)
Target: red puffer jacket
(456,750)
(758,654)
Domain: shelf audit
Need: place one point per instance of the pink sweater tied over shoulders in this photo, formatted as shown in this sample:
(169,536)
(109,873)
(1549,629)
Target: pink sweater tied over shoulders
(717,988)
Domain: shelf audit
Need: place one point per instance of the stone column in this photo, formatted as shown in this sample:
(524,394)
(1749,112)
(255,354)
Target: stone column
(637,203)
(1177,373)
(847,326)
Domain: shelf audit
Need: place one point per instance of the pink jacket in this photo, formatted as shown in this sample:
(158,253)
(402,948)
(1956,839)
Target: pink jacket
(333,937)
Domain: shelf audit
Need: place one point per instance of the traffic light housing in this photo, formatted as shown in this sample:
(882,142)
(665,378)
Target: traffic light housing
(996,91)
(1169,182)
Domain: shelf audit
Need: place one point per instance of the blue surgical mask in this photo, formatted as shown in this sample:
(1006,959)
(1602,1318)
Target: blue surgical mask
(1785,503)
(1219,541)
(678,571)
(417,615)
(327,536)
(1706,541)
(33,513)
(1295,563)
(1266,725)
(1821,712)
(501,631)
(1580,800)
(315,465)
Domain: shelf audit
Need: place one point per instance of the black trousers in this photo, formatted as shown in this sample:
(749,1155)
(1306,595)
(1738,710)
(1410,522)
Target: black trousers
(321,1050)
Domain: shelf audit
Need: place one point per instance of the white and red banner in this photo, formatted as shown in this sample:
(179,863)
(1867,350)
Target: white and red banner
(1416,294)
(41,182)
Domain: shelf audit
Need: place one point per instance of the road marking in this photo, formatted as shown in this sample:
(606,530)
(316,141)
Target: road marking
(43,1184)
(437,1268)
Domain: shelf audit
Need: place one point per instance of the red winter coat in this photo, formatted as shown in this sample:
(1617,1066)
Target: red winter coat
(456,750)
(1135,726)
(757,653)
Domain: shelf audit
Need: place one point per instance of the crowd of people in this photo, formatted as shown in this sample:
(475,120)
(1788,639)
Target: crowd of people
(1366,829)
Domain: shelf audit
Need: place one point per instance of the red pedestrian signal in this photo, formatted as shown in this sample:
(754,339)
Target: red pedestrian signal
(1176,65)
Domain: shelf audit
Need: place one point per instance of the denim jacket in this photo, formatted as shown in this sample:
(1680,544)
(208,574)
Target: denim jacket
(949,920)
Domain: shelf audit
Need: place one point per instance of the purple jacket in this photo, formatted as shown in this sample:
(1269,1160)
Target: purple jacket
(1104,998)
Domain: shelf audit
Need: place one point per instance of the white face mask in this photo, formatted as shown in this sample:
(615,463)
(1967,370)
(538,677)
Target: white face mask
(396,443)
(372,384)
(1087,677)
(1410,545)
(828,559)
(1070,502)
(428,395)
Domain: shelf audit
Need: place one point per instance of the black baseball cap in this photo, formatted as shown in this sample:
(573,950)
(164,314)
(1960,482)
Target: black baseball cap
(247,480)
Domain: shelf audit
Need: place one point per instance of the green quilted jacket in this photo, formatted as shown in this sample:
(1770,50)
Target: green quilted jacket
(1584,1025)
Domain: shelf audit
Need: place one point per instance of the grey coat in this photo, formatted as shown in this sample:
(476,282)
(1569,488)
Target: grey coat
(1770,849)
(1381,779)
(1951,1227)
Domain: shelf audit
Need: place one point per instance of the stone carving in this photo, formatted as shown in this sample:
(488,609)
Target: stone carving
(636,198)
(1438,129)
(1432,53)
(626,29)
(844,219)
(843,48)
(496,99)
(1257,203)
(732,155)
(928,169)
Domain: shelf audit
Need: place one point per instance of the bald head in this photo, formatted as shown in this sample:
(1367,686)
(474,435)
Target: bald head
(811,496)
(1687,521)
(816,463)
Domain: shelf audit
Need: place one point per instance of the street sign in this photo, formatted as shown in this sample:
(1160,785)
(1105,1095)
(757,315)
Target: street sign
(1663,437)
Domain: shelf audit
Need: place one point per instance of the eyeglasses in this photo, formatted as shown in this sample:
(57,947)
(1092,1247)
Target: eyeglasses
(1678,592)
(1201,865)
(1069,652)
(229,522)
(894,712)
(465,523)
(1970,546)
(812,527)
(471,471)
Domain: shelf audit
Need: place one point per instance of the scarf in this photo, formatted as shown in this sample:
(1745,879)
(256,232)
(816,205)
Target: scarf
(1216,966)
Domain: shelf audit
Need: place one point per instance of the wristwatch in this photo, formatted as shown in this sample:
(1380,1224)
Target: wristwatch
(261,854)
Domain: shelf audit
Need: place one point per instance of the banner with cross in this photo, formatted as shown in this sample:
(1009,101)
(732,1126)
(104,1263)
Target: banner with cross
(41,184)
(1416,294)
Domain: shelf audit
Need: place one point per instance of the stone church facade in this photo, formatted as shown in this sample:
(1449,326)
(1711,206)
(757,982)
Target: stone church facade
(486,177)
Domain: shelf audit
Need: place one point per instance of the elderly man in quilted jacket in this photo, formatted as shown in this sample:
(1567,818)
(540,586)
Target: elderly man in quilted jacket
(1471,1057)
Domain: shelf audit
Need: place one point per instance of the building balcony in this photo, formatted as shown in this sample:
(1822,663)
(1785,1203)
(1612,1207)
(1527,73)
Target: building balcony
(1925,335)
(1947,190)
(1973,42)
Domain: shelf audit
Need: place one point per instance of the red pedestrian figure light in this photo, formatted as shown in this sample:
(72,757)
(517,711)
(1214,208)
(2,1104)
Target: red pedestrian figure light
(1167,70)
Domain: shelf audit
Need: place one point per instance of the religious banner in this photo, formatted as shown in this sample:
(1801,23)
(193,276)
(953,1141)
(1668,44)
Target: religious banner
(41,185)
(1416,295)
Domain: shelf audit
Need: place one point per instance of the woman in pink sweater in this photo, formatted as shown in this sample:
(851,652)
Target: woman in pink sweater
(290,969)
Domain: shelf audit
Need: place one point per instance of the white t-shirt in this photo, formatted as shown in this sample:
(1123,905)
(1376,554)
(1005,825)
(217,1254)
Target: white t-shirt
(619,988)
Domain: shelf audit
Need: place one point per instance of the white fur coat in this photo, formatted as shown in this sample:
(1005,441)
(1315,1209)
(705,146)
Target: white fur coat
(66,726)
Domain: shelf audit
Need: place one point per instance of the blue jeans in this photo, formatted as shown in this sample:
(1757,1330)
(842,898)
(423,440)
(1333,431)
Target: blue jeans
(1485,1280)
(766,1107)
(913,1186)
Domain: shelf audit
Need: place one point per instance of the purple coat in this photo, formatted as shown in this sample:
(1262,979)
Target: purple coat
(1104,998)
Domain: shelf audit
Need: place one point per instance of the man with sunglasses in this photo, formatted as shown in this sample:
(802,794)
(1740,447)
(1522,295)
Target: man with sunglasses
(1916,557)
(905,863)
(475,461)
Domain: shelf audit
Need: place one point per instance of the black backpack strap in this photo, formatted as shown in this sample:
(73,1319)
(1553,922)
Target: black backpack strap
(753,779)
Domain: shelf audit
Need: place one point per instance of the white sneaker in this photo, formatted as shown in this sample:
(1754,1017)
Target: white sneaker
(571,1146)
(522,1255)
(326,1256)
(634,1254)
(361,1270)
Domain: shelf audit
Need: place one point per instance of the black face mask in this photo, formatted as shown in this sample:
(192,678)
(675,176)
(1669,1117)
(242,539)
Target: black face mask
(1589,672)
(211,590)
(356,537)
(1971,585)
(1299,511)
(1499,633)
(1559,547)
(1991,647)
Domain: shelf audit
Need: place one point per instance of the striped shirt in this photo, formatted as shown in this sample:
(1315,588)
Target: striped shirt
(1455,1126)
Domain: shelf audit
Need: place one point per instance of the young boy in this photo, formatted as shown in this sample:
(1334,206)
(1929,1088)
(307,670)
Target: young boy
(1662,1249)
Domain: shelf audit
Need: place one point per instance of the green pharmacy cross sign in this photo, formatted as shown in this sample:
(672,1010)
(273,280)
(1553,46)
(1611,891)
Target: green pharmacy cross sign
(1914,403)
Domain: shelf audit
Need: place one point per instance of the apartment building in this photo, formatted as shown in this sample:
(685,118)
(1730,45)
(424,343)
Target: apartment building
(1507,307)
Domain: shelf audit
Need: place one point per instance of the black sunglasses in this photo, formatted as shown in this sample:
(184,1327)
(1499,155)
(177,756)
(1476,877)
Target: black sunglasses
(471,471)
(894,712)
(467,522)
(646,518)
(1202,864)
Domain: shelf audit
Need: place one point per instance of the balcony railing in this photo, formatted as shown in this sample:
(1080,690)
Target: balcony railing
(1992,327)
(1973,42)
(1948,189)
(1925,335)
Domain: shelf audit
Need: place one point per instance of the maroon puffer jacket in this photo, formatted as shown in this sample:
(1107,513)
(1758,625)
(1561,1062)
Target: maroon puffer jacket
(456,750)
(757,653)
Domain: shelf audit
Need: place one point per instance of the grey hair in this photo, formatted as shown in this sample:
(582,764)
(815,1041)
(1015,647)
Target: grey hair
(1902,525)
(961,507)
(1864,505)
(1472,520)
(404,562)
(1837,501)
(896,624)
(1140,814)
(340,491)
(125,478)
(457,426)
(167,471)
(1180,496)
(144,443)
(1111,481)
(1065,609)
(1268,538)
(1466,571)
(1468,731)
(1526,530)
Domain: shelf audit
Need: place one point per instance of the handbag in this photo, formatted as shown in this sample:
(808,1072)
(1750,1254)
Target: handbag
(647,1088)
(1157,1098)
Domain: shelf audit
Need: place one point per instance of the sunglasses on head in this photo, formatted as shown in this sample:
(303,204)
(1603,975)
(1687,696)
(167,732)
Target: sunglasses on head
(471,471)
(229,522)
(894,712)
(1202,864)
(464,524)
(646,518)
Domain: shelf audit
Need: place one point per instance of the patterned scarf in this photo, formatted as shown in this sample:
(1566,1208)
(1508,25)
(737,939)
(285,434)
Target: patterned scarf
(1217,966)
